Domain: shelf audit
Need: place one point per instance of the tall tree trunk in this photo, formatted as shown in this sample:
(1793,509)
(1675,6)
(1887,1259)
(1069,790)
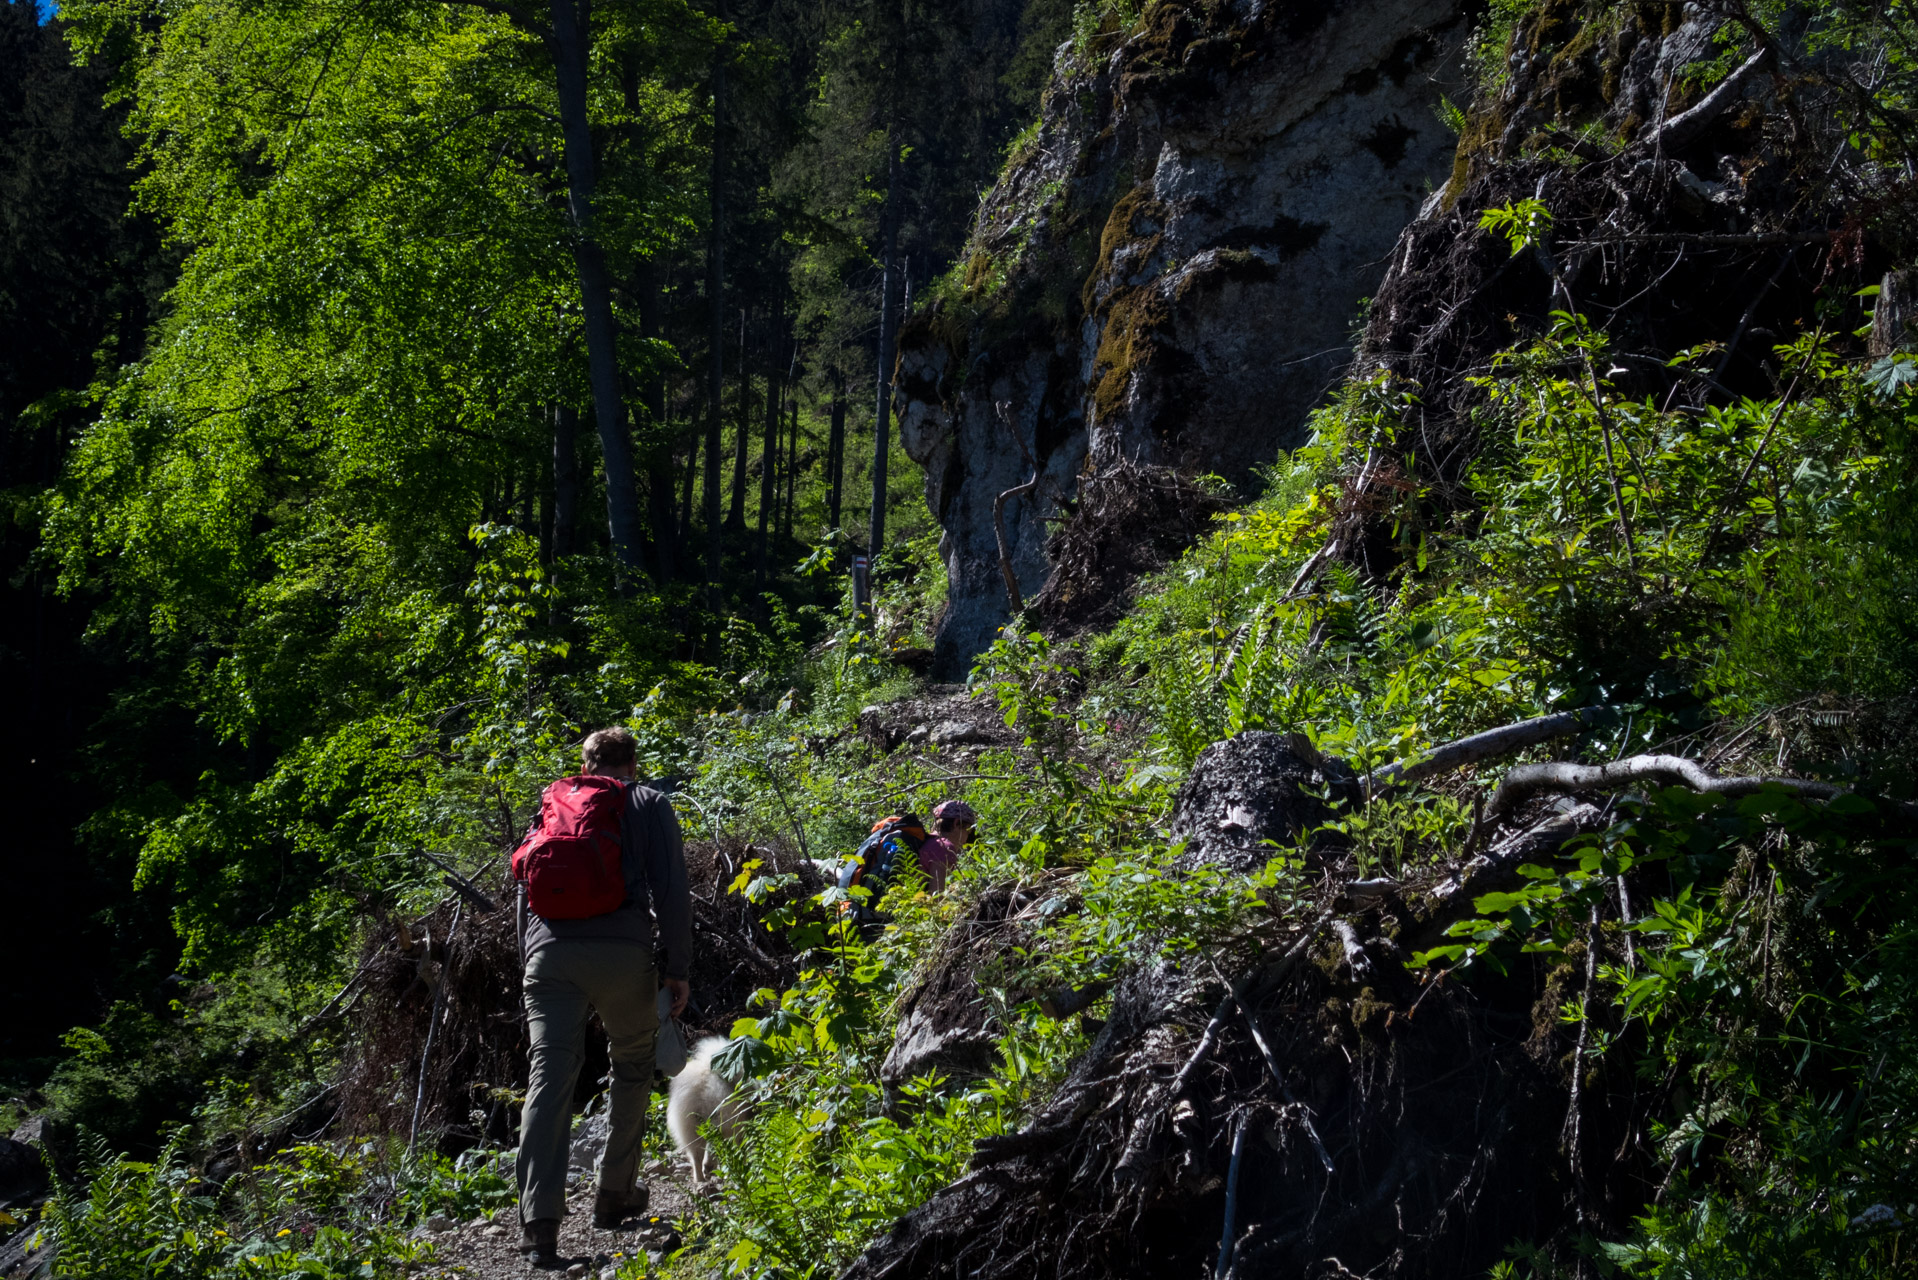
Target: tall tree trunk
(571,34)
(742,433)
(659,454)
(546,509)
(565,478)
(888,331)
(835,451)
(686,501)
(792,460)
(789,471)
(768,478)
(715,280)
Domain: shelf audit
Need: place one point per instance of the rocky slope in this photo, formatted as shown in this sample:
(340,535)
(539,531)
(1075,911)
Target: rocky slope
(1168,272)
(1373,1125)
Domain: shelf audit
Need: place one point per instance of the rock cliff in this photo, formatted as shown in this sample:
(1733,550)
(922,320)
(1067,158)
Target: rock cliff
(1168,273)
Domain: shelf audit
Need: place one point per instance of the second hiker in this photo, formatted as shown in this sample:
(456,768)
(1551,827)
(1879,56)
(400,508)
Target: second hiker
(604,877)
(952,827)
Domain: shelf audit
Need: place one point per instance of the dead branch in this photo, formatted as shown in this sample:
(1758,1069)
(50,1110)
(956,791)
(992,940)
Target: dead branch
(1484,746)
(1528,780)
(1207,1042)
(1497,869)
(462,886)
(1356,960)
(432,1029)
(1228,1238)
(1013,598)
(1707,238)
(336,1006)
(1573,1131)
(1687,125)
(1371,890)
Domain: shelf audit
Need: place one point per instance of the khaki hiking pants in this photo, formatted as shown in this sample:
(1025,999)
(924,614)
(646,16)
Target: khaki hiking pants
(562,979)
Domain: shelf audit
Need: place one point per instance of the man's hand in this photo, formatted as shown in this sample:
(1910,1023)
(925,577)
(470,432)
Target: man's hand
(682,991)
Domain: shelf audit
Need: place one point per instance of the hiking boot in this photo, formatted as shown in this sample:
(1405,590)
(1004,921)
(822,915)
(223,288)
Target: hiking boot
(610,1209)
(539,1241)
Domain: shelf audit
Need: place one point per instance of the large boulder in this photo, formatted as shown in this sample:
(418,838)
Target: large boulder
(1253,791)
(1167,274)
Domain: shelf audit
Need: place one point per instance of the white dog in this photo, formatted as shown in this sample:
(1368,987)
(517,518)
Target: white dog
(701,1094)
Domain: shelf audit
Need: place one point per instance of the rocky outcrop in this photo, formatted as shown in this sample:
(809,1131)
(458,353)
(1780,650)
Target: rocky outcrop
(1168,272)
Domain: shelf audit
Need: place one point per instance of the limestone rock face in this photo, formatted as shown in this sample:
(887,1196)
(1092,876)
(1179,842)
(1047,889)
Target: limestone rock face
(1169,271)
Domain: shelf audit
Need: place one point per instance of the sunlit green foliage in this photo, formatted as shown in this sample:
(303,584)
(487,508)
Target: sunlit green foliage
(321,1211)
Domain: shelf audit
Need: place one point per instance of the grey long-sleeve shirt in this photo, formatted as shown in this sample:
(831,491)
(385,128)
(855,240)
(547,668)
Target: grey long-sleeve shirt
(654,862)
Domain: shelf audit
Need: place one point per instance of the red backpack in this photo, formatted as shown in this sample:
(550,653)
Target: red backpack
(570,861)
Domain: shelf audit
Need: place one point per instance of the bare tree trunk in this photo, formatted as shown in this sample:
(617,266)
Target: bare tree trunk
(546,510)
(742,433)
(570,37)
(768,478)
(659,456)
(888,332)
(565,478)
(792,461)
(835,452)
(686,490)
(715,281)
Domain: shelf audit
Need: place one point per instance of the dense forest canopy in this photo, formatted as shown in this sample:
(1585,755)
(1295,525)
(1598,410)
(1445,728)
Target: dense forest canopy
(365,416)
(391,392)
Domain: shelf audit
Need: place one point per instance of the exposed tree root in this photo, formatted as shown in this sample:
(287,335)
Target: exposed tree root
(1427,1162)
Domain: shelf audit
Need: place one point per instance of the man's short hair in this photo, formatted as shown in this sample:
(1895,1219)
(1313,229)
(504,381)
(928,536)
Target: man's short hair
(608,749)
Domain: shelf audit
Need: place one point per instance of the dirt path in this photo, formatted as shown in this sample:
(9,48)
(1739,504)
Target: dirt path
(486,1250)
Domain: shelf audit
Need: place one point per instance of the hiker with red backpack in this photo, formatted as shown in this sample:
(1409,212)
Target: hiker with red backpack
(608,922)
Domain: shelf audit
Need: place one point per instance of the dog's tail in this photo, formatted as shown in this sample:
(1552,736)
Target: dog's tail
(700,1061)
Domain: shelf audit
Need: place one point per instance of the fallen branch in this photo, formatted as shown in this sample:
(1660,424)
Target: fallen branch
(462,886)
(1483,746)
(1528,780)
(1014,600)
(1356,961)
(1228,1238)
(1687,125)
